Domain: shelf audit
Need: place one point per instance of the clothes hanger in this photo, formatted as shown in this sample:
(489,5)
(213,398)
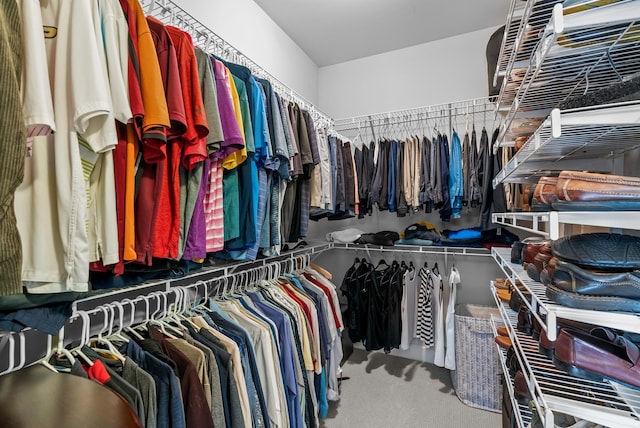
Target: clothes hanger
(382,264)
(130,329)
(435,269)
(118,334)
(12,366)
(168,313)
(84,339)
(109,314)
(43,361)
(62,351)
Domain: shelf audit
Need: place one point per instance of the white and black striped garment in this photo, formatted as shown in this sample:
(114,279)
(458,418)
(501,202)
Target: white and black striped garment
(424,326)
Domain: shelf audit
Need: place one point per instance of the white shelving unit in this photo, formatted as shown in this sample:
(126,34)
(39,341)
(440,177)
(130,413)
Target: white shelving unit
(553,390)
(576,53)
(575,139)
(557,57)
(548,224)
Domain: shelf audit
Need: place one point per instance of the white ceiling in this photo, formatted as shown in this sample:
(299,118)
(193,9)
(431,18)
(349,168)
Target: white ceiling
(334,31)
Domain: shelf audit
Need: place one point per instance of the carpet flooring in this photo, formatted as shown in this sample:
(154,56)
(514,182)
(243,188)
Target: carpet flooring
(388,391)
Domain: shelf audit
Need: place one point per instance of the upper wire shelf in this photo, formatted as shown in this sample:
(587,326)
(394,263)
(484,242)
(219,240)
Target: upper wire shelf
(576,53)
(598,134)
(520,39)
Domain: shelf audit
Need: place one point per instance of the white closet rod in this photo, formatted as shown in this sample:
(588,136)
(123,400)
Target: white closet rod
(472,107)
(170,13)
(112,317)
(451,251)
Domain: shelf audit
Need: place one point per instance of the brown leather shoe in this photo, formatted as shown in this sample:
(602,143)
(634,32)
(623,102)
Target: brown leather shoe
(542,258)
(527,196)
(517,145)
(576,190)
(525,322)
(503,341)
(502,331)
(521,388)
(546,346)
(544,194)
(586,356)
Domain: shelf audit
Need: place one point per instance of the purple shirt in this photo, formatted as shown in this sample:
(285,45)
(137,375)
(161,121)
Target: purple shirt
(233,140)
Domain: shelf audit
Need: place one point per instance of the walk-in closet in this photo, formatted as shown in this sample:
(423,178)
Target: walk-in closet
(285,213)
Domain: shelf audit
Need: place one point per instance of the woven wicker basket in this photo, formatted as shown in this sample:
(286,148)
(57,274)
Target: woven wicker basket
(478,372)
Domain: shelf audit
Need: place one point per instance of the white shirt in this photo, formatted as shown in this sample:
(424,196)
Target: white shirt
(37,103)
(51,203)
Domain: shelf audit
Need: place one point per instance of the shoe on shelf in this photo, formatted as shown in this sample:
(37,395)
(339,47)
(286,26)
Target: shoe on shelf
(581,288)
(587,356)
(521,388)
(599,250)
(503,341)
(516,300)
(502,331)
(543,194)
(586,191)
(525,320)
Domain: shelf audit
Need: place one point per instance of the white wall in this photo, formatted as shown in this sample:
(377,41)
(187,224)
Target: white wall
(446,70)
(244,25)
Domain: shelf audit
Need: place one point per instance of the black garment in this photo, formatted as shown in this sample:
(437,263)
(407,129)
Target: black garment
(374,303)
(379,238)
(475,189)
(393,335)
(445,208)
(418,231)
(359,162)
(349,179)
(493,200)
(425,197)
(376,180)
(352,287)
(376,307)
(483,152)
(287,209)
(384,286)
(401,202)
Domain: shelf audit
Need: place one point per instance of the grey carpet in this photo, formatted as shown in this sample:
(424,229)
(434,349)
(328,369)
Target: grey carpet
(389,391)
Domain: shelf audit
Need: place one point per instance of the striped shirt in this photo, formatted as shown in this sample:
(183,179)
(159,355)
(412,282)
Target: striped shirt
(213,208)
(424,327)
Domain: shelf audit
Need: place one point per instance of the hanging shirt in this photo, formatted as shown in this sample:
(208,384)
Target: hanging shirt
(53,231)
(439,315)
(456,178)
(424,323)
(450,356)
(411,285)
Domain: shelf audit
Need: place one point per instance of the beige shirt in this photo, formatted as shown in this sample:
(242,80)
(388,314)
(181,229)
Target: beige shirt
(236,368)
(261,339)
